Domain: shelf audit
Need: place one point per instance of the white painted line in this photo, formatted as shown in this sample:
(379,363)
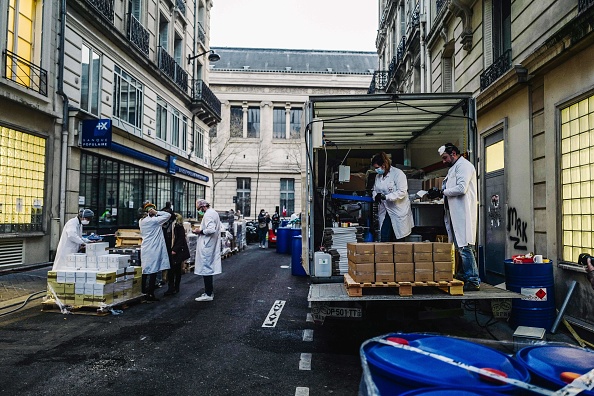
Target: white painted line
(305,361)
(308,335)
(285,266)
(274,314)
(301,391)
(309,318)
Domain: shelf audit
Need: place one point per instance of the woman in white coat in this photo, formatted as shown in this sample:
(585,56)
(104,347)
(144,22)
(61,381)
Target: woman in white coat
(208,248)
(71,239)
(153,250)
(390,191)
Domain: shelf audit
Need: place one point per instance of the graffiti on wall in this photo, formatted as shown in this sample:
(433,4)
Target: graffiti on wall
(517,229)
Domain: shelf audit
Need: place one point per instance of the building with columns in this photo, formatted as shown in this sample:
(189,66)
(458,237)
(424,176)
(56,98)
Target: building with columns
(257,150)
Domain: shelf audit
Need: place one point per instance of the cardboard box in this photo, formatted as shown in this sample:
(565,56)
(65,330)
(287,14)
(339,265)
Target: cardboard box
(442,257)
(361,252)
(362,272)
(424,271)
(439,276)
(440,247)
(384,253)
(422,247)
(106,276)
(384,272)
(443,266)
(404,272)
(362,267)
(359,164)
(96,249)
(403,252)
(423,257)
(356,183)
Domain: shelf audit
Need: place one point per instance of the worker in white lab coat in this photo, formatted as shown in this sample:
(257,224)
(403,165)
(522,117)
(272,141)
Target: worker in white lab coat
(153,249)
(208,248)
(72,240)
(461,211)
(390,191)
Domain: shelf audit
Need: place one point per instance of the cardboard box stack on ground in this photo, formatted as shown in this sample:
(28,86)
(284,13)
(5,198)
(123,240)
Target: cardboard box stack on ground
(94,279)
(361,257)
(404,270)
(442,261)
(384,262)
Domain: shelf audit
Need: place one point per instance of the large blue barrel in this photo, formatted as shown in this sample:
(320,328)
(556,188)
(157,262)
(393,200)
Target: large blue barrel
(283,240)
(397,370)
(284,223)
(547,362)
(296,266)
(292,233)
(535,282)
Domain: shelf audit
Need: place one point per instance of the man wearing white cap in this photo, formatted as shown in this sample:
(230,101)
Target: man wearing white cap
(461,211)
(72,240)
(208,248)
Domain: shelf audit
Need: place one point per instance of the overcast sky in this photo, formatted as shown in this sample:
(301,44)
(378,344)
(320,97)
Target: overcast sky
(296,24)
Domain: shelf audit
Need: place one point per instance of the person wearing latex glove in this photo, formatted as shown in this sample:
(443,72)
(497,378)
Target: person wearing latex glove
(434,193)
(390,192)
(461,211)
(72,240)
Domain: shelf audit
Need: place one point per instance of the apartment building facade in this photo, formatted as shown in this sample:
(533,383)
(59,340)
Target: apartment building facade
(258,148)
(526,64)
(131,108)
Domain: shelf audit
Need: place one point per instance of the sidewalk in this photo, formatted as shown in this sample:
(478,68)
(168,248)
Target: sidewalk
(16,285)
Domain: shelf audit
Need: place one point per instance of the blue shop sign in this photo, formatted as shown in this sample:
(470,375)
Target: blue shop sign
(172,165)
(96,133)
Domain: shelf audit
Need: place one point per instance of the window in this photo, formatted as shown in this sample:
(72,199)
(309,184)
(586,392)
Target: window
(184,133)
(243,196)
(253,123)
(296,115)
(22,181)
(164,33)
(577,178)
(90,77)
(161,119)
(172,127)
(236,122)
(279,123)
(175,121)
(497,20)
(199,142)
(287,196)
(136,9)
(127,94)
(212,132)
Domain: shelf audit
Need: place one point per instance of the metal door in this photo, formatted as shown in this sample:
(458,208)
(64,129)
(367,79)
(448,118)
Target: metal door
(494,207)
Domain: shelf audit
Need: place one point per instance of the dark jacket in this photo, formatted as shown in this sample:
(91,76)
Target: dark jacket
(180,244)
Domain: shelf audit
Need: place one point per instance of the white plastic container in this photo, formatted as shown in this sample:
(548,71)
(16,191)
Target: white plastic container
(322,264)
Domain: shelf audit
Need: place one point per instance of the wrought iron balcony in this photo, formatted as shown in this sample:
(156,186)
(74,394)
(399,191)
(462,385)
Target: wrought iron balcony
(172,69)
(201,34)
(137,34)
(439,5)
(181,6)
(379,81)
(105,7)
(24,73)
(205,103)
(583,5)
(400,50)
(415,17)
(496,70)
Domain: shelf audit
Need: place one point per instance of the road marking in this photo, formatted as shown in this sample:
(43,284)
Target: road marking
(309,318)
(308,335)
(305,361)
(285,266)
(302,391)
(274,314)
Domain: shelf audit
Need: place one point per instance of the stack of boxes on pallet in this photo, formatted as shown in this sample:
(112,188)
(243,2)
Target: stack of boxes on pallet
(400,262)
(95,278)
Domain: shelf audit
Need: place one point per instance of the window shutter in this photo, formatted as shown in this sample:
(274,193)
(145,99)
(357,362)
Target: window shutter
(446,74)
(488,32)
(136,9)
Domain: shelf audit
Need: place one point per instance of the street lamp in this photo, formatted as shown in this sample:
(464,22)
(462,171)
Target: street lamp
(212,56)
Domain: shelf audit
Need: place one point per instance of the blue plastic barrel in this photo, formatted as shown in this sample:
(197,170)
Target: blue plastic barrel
(293,232)
(283,240)
(535,282)
(284,223)
(296,266)
(547,362)
(396,370)
(447,392)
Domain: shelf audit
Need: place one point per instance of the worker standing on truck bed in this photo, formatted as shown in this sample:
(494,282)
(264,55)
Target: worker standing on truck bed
(461,211)
(390,191)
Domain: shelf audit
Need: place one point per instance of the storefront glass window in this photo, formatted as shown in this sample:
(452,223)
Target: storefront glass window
(22,178)
(577,178)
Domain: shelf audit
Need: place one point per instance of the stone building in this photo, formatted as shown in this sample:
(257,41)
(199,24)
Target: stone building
(527,65)
(258,148)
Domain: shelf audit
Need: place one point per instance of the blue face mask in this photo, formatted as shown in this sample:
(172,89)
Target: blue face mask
(380,171)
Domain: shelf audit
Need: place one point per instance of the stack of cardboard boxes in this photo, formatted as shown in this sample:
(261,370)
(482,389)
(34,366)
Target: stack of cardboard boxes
(94,279)
(400,262)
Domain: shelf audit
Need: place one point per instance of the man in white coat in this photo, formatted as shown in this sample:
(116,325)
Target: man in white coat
(461,211)
(208,248)
(72,239)
(390,191)
(153,249)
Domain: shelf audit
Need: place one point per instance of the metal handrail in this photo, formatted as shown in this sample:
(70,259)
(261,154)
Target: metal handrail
(204,94)
(105,7)
(24,73)
(137,34)
(496,70)
(181,6)
(201,34)
(379,81)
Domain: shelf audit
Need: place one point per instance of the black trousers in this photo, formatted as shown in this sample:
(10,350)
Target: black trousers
(174,276)
(208,284)
(149,283)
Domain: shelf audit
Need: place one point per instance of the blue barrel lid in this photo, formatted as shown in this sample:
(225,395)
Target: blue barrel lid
(549,361)
(408,366)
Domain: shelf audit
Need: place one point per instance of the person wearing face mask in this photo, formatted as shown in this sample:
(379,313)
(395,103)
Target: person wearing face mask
(72,240)
(153,250)
(390,192)
(461,211)
(208,248)
(263,221)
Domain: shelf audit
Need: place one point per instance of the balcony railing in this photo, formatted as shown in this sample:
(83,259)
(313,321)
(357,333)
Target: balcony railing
(181,6)
(378,82)
(137,34)
(415,17)
(207,101)
(25,73)
(201,34)
(172,69)
(496,70)
(583,5)
(105,7)
(439,5)
(400,50)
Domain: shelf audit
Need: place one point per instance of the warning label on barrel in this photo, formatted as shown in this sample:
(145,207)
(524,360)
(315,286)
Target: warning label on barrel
(533,294)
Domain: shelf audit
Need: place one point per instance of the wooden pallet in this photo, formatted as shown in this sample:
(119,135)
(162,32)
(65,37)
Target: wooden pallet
(355,289)
(51,306)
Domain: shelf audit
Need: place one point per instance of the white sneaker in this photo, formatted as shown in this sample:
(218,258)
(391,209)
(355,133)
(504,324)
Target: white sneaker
(204,297)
